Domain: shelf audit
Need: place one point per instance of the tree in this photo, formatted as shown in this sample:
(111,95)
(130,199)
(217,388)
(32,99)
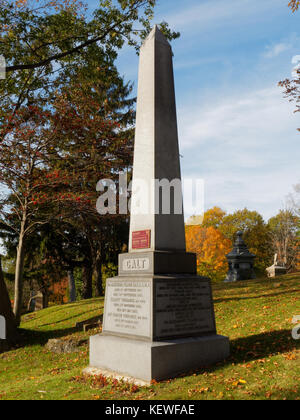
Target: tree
(100,143)
(62,153)
(25,147)
(211,248)
(295,200)
(284,231)
(38,55)
(294,5)
(292,90)
(51,161)
(111,25)
(46,141)
(213,217)
(51,256)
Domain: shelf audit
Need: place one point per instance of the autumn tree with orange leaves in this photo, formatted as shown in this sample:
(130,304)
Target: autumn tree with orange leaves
(26,145)
(204,238)
(50,163)
(102,128)
(211,248)
(44,44)
(34,189)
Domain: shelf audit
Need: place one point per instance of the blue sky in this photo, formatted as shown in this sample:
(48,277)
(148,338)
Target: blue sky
(236,130)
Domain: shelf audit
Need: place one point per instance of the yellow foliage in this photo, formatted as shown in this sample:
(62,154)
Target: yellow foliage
(211,248)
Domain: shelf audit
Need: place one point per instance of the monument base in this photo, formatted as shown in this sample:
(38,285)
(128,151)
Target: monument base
(240,275)
(147,361)
(276,271)
(157,262)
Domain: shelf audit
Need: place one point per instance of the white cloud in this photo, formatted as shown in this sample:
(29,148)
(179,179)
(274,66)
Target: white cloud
(254,115)
(246,148)
(210,13)
(277,49)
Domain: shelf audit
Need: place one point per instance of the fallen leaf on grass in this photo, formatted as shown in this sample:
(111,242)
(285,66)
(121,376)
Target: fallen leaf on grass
(290,356)
(197,391)
(268,394)
(242,381)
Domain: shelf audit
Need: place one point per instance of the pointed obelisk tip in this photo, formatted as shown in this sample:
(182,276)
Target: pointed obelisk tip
(157,34)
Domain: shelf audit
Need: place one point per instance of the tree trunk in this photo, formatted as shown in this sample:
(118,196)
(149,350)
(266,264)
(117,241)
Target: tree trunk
(18,302)
(99,284)
(72,286)
(87,278)
(6,311)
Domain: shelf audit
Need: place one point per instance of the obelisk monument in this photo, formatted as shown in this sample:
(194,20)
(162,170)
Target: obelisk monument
(156,153)
(159,316)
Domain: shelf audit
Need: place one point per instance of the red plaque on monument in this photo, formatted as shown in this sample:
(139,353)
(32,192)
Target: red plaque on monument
(141,239)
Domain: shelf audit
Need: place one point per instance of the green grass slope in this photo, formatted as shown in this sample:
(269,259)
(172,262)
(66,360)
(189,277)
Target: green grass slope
(256,315)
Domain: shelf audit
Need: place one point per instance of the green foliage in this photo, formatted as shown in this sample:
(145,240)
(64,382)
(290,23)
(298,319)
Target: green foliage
(213,217)
(38,55)
(285,222)
(78,282)
(215,275)
(110,270)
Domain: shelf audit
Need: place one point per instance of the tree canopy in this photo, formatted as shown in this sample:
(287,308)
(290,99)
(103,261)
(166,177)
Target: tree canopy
(66,120)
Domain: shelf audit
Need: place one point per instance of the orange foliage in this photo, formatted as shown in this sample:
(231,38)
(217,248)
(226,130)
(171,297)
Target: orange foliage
(211,248)
(213,217)
(59,291)
(20,3)
(294,5)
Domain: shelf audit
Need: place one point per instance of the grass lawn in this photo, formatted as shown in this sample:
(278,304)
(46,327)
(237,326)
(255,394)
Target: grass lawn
(256,315)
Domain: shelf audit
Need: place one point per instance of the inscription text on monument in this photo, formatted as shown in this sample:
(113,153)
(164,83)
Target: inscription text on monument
(136,264)
(183,308)
(128,307)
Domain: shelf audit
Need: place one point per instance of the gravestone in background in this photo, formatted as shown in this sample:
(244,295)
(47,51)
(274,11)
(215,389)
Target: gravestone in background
(159,315)
(277,269)
(240,261)
(40,301)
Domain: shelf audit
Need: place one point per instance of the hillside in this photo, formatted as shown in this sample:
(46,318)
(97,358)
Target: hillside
(256,315)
